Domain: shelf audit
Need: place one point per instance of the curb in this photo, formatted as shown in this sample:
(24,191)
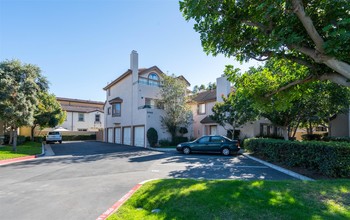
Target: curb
(121,201)
(288,172)
(25,158)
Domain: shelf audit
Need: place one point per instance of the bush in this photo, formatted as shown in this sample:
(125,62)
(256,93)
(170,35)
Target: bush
(164,142)
(330,159)
(78,137)
(338,139)
(39,138)
(311,137)
(152,137)
(178,139)
(21,139)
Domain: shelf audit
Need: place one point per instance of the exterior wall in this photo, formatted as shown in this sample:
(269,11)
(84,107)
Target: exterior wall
(339,127)
(71,123)
(77,103)
(25,131)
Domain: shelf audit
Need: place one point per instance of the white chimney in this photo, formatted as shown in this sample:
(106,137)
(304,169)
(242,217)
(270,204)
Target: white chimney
(134,66)
(223,88)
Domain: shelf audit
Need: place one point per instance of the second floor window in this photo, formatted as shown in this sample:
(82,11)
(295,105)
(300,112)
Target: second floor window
(201,108)
(109,109)
(97,118)
(116,110)
(81,117)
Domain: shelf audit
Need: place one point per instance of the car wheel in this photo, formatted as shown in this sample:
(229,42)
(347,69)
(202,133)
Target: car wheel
(186,150)
(60,142)
(225,151)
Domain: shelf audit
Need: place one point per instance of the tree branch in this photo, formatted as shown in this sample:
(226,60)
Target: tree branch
(300,81)
(308,24)
(336,78)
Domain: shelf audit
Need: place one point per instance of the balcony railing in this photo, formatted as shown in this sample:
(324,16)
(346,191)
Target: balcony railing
(149,82)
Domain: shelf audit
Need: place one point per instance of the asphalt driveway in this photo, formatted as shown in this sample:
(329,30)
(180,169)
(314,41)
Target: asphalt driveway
(83,179)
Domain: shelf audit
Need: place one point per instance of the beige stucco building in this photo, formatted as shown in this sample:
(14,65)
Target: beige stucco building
(132,105)
(202,105)
(82,115)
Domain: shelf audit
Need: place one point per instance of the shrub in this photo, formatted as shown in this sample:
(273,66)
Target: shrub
(178,139)
(311,137)
(21,139)
(152,137)
(39,138)
(164,142)
(78,137)
(338,139)
(331,159)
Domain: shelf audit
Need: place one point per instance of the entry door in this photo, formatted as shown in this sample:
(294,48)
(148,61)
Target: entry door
(213,130)
(139,136)
(117,137)
(110,135)
(127,136)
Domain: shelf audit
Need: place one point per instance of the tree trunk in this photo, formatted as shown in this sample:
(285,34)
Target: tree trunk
(296,128)
(11,135)
(285,133)
(310,127)
(14,144)
(32,132)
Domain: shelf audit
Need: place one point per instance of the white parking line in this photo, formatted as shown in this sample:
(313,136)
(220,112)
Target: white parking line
(212,165)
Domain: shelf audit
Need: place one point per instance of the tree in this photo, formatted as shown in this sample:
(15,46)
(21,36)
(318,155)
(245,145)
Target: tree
(314,34)
(177,112)
(19,88)
(309,104)
(234,111)
(48,112)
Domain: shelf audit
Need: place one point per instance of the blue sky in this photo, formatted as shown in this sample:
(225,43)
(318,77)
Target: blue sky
(81,45)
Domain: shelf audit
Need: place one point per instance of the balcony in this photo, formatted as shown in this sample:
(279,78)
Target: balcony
(149,82)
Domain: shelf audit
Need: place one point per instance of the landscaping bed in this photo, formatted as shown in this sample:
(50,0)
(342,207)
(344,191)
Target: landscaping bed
(26,149)
(235,199)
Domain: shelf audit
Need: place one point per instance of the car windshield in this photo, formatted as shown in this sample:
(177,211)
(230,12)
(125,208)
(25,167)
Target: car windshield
(54,133)
(228,139)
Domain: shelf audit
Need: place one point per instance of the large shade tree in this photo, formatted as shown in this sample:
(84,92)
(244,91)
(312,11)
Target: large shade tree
(313,33)
(20,85)
(48,112)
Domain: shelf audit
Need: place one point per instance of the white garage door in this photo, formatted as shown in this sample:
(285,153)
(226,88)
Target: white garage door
(117,138)
(110,135)
(127,136)
(139,136)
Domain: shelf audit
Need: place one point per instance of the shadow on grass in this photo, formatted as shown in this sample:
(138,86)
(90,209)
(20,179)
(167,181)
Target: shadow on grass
(190,199)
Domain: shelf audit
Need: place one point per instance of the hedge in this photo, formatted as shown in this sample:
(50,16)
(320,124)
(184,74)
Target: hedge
(78,137)
(329,158)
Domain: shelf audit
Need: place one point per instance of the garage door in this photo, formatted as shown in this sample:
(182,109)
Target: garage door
(117,138)
(127,136)
(139,136)
(110,135)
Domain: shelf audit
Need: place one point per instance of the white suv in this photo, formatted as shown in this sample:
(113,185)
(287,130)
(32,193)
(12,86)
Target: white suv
(54,136)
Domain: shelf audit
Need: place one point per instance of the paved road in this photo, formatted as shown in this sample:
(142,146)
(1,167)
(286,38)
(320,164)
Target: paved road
(83,179)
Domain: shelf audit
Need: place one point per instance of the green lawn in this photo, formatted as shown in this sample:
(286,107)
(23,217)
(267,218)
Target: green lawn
(220,199)
(26,149)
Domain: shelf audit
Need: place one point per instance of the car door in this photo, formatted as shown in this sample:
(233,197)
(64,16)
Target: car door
(201,144)
(215,143)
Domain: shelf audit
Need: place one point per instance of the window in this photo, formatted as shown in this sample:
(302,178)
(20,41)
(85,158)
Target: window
(81,117)
(108,92)
(203,140)
(97,118)
(216,139)
(109,110)
(82,129)
(116,110)
(153,79)
(201,108)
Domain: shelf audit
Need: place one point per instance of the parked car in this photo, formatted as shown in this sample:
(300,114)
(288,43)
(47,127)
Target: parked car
(54,136)
(212,143)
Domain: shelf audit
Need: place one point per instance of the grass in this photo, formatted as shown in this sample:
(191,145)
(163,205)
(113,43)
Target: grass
(26,149)
(234,199)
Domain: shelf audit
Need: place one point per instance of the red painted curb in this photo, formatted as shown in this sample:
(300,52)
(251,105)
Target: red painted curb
(119,203)
(18,159)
